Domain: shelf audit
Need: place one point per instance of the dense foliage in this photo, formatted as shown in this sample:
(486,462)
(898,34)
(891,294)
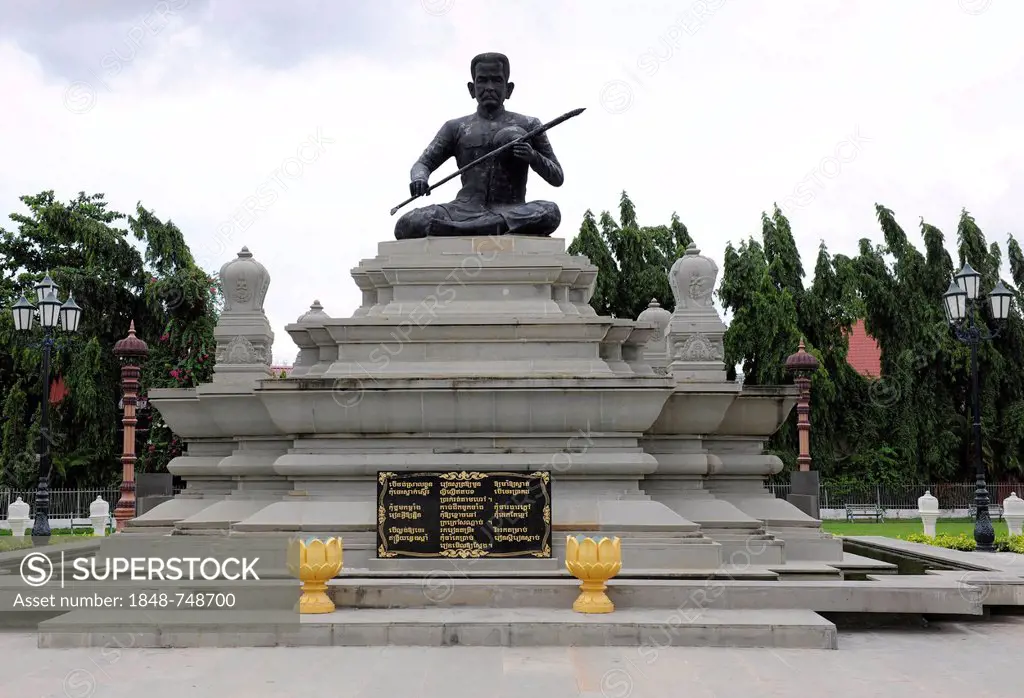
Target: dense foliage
(912,424)
(633,260)
(94,253)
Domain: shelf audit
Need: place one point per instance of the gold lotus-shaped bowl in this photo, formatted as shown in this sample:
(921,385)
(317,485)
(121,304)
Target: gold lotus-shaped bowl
(592,560)
(314,560)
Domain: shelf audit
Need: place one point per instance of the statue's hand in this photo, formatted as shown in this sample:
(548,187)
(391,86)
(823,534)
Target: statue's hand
(419,187)
(524,151)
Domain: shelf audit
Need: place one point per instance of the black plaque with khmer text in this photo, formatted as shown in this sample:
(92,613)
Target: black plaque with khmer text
(464,514)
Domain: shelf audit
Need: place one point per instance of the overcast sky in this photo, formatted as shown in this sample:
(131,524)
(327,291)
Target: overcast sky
(711,108)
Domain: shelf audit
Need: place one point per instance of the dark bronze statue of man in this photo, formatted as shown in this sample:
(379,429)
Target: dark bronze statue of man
(492,200)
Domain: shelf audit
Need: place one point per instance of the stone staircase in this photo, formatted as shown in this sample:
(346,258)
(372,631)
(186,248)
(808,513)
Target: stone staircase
(441,608)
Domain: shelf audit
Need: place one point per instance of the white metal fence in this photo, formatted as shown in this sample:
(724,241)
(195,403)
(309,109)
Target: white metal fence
(64,504)
(68,507)
(956,499)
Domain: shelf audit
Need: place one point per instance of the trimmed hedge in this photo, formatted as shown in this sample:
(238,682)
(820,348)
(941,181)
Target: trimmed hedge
(961,541)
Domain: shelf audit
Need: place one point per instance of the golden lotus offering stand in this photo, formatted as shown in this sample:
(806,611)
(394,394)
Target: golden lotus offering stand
(314,562)
(593,562)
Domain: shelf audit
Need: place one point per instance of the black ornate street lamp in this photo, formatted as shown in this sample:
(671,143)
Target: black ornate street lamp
(52,314)
(961,303)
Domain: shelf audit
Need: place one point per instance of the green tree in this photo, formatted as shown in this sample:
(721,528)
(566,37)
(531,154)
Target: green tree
(843,425)
(590,243)
(764,329)
(89,254)
(913,423)
(925,408)
(632,260)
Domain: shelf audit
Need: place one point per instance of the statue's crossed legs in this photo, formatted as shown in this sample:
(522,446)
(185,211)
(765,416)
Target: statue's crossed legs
(539,218)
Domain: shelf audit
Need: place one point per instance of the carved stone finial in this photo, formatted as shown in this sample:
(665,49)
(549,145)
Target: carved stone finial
(245,341)
(656,349)
(695,337)
(245,282)
(692,279)
(315,312)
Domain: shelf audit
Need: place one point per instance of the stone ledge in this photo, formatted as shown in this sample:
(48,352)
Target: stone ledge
(925,595)
(522,627)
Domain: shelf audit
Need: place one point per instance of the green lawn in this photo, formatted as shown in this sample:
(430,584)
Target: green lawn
(896,529)
(10,543)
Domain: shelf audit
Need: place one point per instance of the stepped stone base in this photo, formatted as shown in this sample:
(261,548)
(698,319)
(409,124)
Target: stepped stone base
(886,594)
(441,627)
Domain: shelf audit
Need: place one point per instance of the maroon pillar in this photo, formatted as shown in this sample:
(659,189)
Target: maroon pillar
(130,351)
(802,365)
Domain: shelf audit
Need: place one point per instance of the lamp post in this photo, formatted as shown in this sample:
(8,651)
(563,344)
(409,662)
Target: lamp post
(804,483)
(961,303)
(130,351)
(802,365)
(52,314)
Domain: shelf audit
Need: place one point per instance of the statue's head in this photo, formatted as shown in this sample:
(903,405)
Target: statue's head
(490,86)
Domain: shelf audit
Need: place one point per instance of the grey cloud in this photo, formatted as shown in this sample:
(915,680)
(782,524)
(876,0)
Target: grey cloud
(71,38)
(280,34)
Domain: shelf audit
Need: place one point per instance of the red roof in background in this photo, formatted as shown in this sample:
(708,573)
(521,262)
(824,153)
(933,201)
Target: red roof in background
(865,355)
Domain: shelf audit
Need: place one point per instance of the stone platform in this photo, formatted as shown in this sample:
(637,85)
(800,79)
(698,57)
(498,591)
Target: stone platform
(483,354)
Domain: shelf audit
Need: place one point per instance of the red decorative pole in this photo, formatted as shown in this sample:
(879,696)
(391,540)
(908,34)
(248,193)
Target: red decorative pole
(802,365)
(130,351)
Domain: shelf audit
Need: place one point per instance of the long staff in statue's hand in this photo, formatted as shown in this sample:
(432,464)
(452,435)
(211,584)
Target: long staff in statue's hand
(494,153)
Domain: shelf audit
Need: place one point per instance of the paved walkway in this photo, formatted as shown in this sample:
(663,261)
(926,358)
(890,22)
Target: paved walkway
(981,660)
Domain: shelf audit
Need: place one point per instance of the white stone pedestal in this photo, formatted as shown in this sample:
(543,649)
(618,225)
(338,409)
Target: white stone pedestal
(928,508)
(17,518)
(99,515)
(1013,513)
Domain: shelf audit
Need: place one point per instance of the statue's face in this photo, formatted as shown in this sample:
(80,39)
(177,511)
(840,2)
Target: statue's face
(489,84)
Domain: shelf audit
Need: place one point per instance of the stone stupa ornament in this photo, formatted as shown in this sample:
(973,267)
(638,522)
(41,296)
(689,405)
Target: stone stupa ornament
(245,283)
(696,331)
(308,356)
(315,313)
(656,350)
(692,280)
(244,339)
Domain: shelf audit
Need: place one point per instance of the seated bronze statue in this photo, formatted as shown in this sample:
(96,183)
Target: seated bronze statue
(492,200)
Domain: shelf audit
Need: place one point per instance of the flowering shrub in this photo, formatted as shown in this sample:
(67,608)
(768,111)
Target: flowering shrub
(961,541)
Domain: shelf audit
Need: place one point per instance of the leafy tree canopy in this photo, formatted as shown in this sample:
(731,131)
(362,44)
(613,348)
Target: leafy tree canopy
(120,269)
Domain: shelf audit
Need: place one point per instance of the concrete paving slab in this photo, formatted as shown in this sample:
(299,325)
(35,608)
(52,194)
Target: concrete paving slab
(939,662)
